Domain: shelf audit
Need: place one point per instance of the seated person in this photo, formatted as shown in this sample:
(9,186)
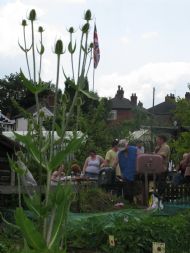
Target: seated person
(92,165)
(140,147)
(75,169)
(58,174)
(183,170)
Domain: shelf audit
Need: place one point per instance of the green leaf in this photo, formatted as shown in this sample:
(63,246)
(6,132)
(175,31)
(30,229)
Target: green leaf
(90,95)
(28,141)
(33,238)
(42,49)
(21,47)
(33,88)
(59,158)
(7,222)
(34,204)
(58,130)
(61,214)
(84,49)
(64,74)
(71,83)
(25,50)
(14,166)
(81,81)
(71,50)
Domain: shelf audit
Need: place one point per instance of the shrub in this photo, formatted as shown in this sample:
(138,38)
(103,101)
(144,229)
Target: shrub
(132,234)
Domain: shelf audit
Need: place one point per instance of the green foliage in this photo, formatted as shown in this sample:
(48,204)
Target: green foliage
(93,122)
(182,116)
(33,88)
(95,200)
(180,146)
(13,91)
(131,234)
(182,112)
(30,233)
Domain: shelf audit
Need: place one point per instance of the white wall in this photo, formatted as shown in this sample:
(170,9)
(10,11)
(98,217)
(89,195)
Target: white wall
(21,124)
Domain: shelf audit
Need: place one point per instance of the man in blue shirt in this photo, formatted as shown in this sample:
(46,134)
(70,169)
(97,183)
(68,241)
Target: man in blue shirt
(127,162)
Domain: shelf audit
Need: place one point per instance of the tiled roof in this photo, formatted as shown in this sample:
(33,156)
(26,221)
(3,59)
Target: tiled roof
(120,103)
(166,107)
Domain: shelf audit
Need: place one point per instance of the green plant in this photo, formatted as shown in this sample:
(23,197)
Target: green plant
(47,232)
(95,200)
(132,233)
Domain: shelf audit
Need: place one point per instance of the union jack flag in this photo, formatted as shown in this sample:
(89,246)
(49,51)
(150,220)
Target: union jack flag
(96,49)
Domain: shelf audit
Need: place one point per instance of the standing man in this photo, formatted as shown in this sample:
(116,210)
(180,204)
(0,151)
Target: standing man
(111,156)
(127,162)
(163,150)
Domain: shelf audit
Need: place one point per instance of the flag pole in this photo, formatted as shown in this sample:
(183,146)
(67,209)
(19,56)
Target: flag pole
(93,79)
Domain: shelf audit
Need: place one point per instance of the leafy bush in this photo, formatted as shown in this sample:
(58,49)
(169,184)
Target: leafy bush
(132,234)
(94,200)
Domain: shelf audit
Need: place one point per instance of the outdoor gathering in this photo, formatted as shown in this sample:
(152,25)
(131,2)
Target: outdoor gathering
(94,126)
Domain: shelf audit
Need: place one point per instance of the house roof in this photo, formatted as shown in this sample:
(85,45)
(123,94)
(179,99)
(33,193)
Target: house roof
(120,103)
(33,111)
(5,120)
(164,108)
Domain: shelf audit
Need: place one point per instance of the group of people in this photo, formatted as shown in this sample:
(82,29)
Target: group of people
(122,157)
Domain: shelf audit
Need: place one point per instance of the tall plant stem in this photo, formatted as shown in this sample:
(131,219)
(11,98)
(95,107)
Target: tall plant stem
(71,110)
(19,191)
(52,142)
(55,105)
(40,67)
(89,63)
(33,53)
(72,61)
(26,53)
(85,53)
(51,225)
(80,52)
(77,91)
(34,70)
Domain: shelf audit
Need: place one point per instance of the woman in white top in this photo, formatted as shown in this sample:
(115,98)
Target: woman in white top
(57,175)
(92,164)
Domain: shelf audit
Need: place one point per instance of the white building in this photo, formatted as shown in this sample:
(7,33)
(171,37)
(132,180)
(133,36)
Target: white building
(5,123)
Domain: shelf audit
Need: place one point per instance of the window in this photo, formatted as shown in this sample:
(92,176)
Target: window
(112,115)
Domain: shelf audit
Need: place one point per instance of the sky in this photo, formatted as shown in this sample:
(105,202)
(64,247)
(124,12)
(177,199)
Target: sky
(143,43)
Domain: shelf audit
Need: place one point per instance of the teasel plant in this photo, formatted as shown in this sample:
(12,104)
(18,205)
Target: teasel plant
(46,232)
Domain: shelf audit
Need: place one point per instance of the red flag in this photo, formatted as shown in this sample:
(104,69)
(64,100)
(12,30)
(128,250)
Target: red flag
(96,49)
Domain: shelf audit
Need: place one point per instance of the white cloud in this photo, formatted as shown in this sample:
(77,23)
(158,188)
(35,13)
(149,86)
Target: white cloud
(72,1)
(125,40)
(58,1)
(166,77)
(150,35)
(11,16)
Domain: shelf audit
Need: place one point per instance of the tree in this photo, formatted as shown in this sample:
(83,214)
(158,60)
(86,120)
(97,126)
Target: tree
(182,115)
(12,89)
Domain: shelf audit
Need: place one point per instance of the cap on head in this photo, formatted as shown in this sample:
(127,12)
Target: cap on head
(123,144)
(115,142)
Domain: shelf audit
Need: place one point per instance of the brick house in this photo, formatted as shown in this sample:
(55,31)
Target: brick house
(121,107)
